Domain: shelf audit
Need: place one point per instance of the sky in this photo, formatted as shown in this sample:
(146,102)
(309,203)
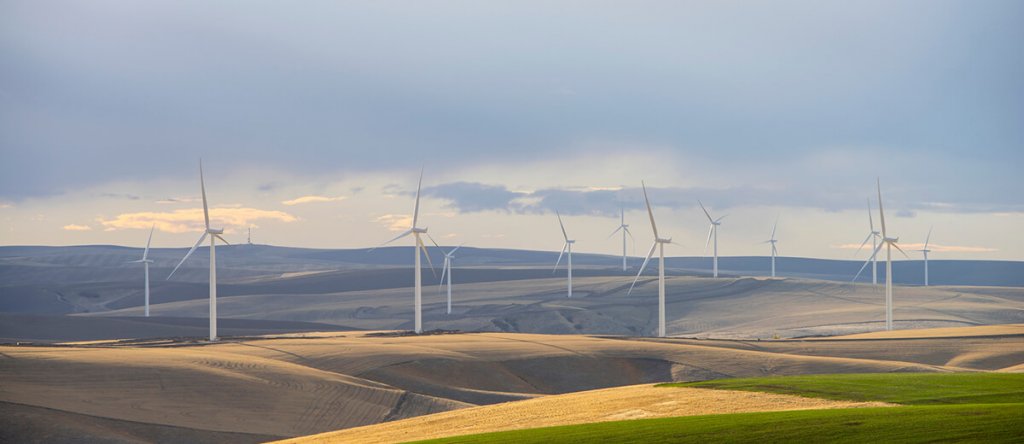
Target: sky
(314,120)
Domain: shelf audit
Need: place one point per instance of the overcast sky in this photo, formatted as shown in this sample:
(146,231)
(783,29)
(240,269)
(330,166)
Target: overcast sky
(314,118)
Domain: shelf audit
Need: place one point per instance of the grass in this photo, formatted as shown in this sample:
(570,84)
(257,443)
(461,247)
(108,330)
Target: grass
(957,423)
(899,388)
(960,407)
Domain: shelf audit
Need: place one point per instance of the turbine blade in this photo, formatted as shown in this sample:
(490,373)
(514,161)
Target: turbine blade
(862,267)
(871,219)
(444,269)
(566,236)
(201,239)
(404,234)
(901,250)
(202,186)
(416,209)
(145,253)
(705,211)
(928,237)
(613,232)
(649,212)
(719,220)
(455,249)
(630,234)
(862,244)
(423,248)
(222,239)
(642,266)
(434,242)
(774,227)
(881,212)
(564,246)
(710,231)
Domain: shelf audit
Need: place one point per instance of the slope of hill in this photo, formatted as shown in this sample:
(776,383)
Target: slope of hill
(311,383)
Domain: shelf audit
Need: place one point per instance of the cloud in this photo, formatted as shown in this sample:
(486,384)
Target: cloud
(174,200)
(5,205)
(312,199)
(121,196)
(935,248)
(75,227)
(191,219)
(469,197)
(395,222)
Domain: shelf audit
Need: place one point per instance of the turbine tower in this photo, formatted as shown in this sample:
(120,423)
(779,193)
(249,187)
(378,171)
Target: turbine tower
(449,260)
(712,232)
(925,252)
(566,246)
(625,230)
(888,243)
(214,233)
(416,231)
(873,236)
(145,261)
(248,238)
(659,243)
(772,241)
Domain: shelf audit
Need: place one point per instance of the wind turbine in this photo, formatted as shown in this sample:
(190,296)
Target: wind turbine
(659,243)
(449,259)
(925,251)
(214,233)
(713,231)
(772,241)
(566,246)
(625,230)
(416,231)
(873,236)
(145,261)
(888,243)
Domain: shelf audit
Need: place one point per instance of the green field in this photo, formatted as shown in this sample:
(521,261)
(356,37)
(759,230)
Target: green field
(899,388)
(965,407)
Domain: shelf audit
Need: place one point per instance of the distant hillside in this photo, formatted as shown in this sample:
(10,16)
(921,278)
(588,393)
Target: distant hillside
(101,263)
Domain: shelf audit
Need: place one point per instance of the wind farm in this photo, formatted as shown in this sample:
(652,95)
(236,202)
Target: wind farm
(351,144)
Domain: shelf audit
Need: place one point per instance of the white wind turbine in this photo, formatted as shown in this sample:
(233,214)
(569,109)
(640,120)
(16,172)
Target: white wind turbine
(214,233)
(889,243)
(449,260)
(566,246)
(925,251)
(415,231)
(772,241)
(625,230)
(659,243)
(145,261)
(873,236)
(713,231)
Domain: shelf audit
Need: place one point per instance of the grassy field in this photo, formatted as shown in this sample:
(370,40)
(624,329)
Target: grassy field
(898,388)
(975,407)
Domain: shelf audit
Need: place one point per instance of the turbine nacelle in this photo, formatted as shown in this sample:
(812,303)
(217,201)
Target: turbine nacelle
(214,231)
(660,240)
(418,230)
